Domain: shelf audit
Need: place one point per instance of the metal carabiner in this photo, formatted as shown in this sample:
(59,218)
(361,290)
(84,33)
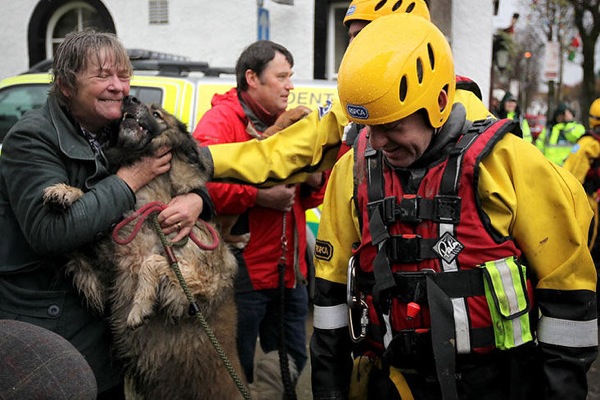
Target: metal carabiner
(351,299)
(355,303)
(364,321)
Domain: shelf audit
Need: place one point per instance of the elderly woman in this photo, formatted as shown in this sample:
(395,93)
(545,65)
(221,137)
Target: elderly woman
(55,144)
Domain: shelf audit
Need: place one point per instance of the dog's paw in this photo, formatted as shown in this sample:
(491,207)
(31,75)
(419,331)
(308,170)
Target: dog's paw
(60,197)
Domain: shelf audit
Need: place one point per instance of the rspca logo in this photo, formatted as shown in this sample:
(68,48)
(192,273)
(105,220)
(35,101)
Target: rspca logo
(447,248)
(351,10)
(323,250)
(358,112)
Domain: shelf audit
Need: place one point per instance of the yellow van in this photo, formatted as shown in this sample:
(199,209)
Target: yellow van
(187,97)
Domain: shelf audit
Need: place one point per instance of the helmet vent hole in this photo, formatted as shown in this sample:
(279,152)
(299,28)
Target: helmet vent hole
(420,70)
(410,7)
(399,4)
(380,4)
(403,89)
(431,56)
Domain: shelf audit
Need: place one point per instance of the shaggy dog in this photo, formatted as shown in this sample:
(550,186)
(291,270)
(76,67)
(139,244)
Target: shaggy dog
(166,353)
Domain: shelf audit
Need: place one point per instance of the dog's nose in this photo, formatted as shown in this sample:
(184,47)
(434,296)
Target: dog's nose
(128,100)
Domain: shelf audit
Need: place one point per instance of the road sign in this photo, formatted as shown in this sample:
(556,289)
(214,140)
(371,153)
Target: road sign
(551,61)
(263,24)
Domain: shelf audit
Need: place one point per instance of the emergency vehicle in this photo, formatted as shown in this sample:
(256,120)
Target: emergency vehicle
(184,88)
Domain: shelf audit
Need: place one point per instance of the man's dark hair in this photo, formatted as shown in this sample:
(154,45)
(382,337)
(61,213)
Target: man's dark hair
(255,58)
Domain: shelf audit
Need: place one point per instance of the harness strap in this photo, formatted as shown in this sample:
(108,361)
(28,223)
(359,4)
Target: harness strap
(442,338)
(410,286)
(414,209)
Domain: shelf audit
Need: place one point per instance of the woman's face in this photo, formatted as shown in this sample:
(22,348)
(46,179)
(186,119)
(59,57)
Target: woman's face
(99,93)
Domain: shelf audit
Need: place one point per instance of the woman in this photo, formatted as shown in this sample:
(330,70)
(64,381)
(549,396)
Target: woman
(57,144)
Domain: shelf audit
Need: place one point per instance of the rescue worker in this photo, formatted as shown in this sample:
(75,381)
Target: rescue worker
(564,133)
(584,163)
(328,126)
(509,108)
(421,243)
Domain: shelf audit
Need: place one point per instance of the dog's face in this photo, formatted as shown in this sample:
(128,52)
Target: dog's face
(142,130)
(139,125)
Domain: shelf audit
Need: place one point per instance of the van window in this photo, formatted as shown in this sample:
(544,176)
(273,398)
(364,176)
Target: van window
(16,100)
(147,95)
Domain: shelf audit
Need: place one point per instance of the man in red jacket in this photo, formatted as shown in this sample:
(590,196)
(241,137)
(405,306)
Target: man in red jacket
(273,262)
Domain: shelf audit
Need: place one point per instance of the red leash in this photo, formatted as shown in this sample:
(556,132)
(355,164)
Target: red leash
(155,207)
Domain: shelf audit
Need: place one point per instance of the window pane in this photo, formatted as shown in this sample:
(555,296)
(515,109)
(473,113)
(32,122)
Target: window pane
(147,95)
(67,23)
(17,100)
(91,19)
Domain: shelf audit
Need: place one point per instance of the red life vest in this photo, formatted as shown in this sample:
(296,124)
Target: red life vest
(438,233)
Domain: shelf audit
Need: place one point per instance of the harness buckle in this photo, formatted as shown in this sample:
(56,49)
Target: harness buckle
(386,208)
(408,210)
(447,209)
(405,247)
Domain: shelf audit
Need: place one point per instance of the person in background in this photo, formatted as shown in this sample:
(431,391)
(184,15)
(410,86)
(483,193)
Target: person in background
(558,138)
(427,277)
(317,140)
(584,164)
(272,266)
(57,144)
(509,108)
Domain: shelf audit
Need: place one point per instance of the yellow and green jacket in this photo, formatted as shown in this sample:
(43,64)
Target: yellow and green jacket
(563,136)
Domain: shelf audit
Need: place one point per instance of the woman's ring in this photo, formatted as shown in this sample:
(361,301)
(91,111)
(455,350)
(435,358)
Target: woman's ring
(178,225)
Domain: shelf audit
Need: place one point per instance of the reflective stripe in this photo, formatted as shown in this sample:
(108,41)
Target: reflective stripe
(333,317)
(461,326)
(508,284)
(568,333)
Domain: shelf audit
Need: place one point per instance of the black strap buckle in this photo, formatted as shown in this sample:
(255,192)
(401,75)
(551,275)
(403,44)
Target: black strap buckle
(447,209)
(405,247)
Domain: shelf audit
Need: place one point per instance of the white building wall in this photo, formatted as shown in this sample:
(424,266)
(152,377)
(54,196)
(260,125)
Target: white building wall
(217,31)
(472,32)
(14,20)
(204,30)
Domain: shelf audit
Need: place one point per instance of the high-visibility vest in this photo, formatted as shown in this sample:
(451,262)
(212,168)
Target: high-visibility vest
(563,136)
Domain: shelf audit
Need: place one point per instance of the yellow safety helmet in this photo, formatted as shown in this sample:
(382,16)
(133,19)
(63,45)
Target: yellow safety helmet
(369,10)
(398,65)
(595,114)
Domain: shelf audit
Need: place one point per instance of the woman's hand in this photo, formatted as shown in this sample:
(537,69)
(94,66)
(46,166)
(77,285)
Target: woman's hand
(181,214)
(140,173)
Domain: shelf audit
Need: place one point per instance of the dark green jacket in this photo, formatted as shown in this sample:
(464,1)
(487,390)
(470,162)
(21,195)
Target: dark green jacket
(45,147)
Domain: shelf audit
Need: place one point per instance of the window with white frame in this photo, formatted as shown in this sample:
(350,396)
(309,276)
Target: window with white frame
(73,16)
(337,38)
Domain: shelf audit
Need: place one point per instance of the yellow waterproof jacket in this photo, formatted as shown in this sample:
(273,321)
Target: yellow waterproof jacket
(526,197)
(579,162)
(307,146)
